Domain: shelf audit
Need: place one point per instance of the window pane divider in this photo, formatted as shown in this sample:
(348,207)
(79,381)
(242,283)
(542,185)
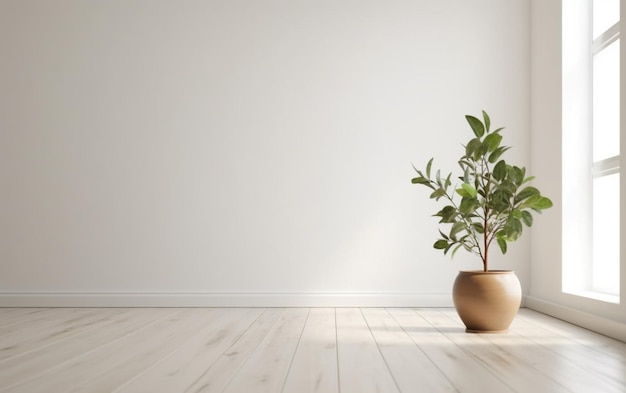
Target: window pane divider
(605,39)
(605,167)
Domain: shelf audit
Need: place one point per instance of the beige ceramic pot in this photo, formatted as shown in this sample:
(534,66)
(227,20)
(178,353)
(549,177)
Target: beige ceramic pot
(487,302)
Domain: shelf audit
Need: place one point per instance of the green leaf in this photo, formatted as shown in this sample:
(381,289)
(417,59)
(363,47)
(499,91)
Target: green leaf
(463,193)
(438,193)
(468,205)
(492,142)
(502,244)
(455,250)
(498,130)
(443,235)
(516,174)
(466,165)
(456,228)
(480,152)
(495,155)
(440,244)
(430,163)
(487,121)
(447,214)
(541,203)
(499,171)
(526,193)
(478,227)
(471,148)
(513,229)
(527,218)
(477,126)
(422,181)
(537,203)
(419,180)
(500,201)
(471,191)
(466,175)
(529,178)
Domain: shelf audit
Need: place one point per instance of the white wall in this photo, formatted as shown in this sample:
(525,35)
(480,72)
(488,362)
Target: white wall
(243,152)
(546,257)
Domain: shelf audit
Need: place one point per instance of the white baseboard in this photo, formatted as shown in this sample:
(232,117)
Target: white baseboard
(373,299)
(598,324)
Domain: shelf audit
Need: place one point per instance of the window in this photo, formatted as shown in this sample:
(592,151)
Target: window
(591,148)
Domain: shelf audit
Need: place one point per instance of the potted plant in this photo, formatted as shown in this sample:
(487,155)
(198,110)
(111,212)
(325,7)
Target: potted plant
(491,205)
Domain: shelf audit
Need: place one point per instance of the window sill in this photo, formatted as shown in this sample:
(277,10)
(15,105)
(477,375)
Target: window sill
(603,297)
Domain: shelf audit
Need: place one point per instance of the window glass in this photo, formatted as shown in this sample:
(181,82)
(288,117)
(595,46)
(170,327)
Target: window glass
(605,15)
(606,103)
(606,242)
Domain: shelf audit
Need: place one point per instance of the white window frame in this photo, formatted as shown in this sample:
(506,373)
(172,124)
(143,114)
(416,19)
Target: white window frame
(578,52)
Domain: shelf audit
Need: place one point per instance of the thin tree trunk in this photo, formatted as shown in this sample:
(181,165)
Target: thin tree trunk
(486,243)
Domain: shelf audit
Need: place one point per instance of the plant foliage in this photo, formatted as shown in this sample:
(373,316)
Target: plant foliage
(496,199)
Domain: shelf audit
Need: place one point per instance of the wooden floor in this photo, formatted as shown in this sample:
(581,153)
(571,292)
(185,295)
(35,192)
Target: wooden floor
(327,350)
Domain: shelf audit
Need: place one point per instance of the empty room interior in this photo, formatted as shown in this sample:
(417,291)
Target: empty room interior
(238,196)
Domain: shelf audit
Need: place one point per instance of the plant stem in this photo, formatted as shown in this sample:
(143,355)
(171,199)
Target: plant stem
(486,243)
(486,230)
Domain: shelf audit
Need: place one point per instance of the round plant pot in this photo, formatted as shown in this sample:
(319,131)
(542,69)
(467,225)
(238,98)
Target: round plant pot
(487,302)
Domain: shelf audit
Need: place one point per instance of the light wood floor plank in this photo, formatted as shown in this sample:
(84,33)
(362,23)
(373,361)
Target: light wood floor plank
(216,378)
(362,368)
(179,370)
(605,345)
(266,369)
(27,366)
(520,375)
(607,368)
(21,339)
(465,372)
(159,345)
(110,366)
(6,312)
(9,316)
(36,321)
(314,367)
(573,377)
(408,363)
